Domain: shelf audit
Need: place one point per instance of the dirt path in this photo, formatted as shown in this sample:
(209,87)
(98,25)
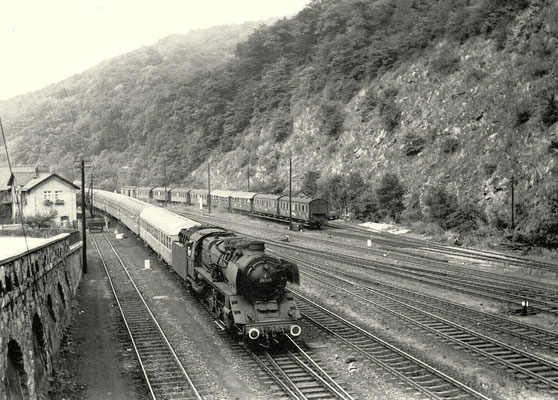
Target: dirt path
(97,359)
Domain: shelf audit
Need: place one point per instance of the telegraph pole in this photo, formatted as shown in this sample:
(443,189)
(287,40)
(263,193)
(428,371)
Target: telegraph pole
(91,197)
(290,194)
(165,172)
(83,225)
(209,187)
(512,181)
(248,176)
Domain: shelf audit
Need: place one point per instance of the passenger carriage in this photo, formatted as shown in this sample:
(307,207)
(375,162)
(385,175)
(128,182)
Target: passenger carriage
(221,198)
(180,195)
(107,202)
(144,193)
(120,207)
(161,194)
(130,211)
(198,196)
(159,228)
(129,191)
(242,201)
(313,212)
(266,204)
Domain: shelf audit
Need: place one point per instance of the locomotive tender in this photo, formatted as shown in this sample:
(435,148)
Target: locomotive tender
(241,285)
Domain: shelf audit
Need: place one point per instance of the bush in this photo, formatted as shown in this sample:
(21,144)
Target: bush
(522,116)
(332,119)
(413,211)
(332,190)
(282,126)
(446,63)
(543,228)
(489,168)
(368,104)
(441,205)
(390,194)
(466,218)
(388,109)
(550,112)
(365,206)
(41,221)
(309,183)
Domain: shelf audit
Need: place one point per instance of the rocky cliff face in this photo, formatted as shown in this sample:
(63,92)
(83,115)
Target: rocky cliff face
(468,117)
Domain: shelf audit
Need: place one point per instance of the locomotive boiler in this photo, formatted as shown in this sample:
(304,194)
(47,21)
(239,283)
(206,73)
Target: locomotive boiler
(242,286)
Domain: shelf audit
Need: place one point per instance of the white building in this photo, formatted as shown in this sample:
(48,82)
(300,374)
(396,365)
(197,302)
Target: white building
(49,194)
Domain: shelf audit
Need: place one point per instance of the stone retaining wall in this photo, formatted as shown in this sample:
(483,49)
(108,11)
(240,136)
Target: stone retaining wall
(36,292)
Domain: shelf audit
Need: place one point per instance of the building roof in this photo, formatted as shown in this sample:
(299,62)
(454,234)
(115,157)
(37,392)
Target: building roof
(23,174)
(34,182)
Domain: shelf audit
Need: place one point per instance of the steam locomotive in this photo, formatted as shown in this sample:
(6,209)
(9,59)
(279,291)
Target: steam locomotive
(242,286)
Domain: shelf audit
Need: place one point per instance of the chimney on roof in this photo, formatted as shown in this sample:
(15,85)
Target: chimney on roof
(36,174)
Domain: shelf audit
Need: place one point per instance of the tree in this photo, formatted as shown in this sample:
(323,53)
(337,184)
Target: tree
(390,194)
(441,204)
(353,188)
(310,183)
(543,228)
(332,190)
(365,206)
(467,218)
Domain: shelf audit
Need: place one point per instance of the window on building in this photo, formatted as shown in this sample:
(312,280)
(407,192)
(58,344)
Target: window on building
(47,195)
(58,195)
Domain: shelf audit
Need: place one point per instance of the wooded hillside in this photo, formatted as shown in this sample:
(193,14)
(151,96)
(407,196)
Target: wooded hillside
(448,99)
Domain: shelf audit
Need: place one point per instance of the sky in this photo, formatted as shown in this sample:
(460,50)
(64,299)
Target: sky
(46,41)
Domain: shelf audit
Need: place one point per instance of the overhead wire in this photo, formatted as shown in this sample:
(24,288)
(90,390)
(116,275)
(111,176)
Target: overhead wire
(20,212)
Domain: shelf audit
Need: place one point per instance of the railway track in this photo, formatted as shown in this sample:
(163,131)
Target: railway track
(525,365)
(165,375)
(543,298)
(501,325)
(541,337)
(398,241)
(298,375)
(292,374)
(416,374)
(404,242)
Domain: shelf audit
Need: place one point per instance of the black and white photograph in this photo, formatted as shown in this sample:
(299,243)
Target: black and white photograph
(264,199)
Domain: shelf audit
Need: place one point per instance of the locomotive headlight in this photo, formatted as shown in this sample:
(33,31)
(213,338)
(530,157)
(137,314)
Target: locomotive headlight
(254,333)
(295,330)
